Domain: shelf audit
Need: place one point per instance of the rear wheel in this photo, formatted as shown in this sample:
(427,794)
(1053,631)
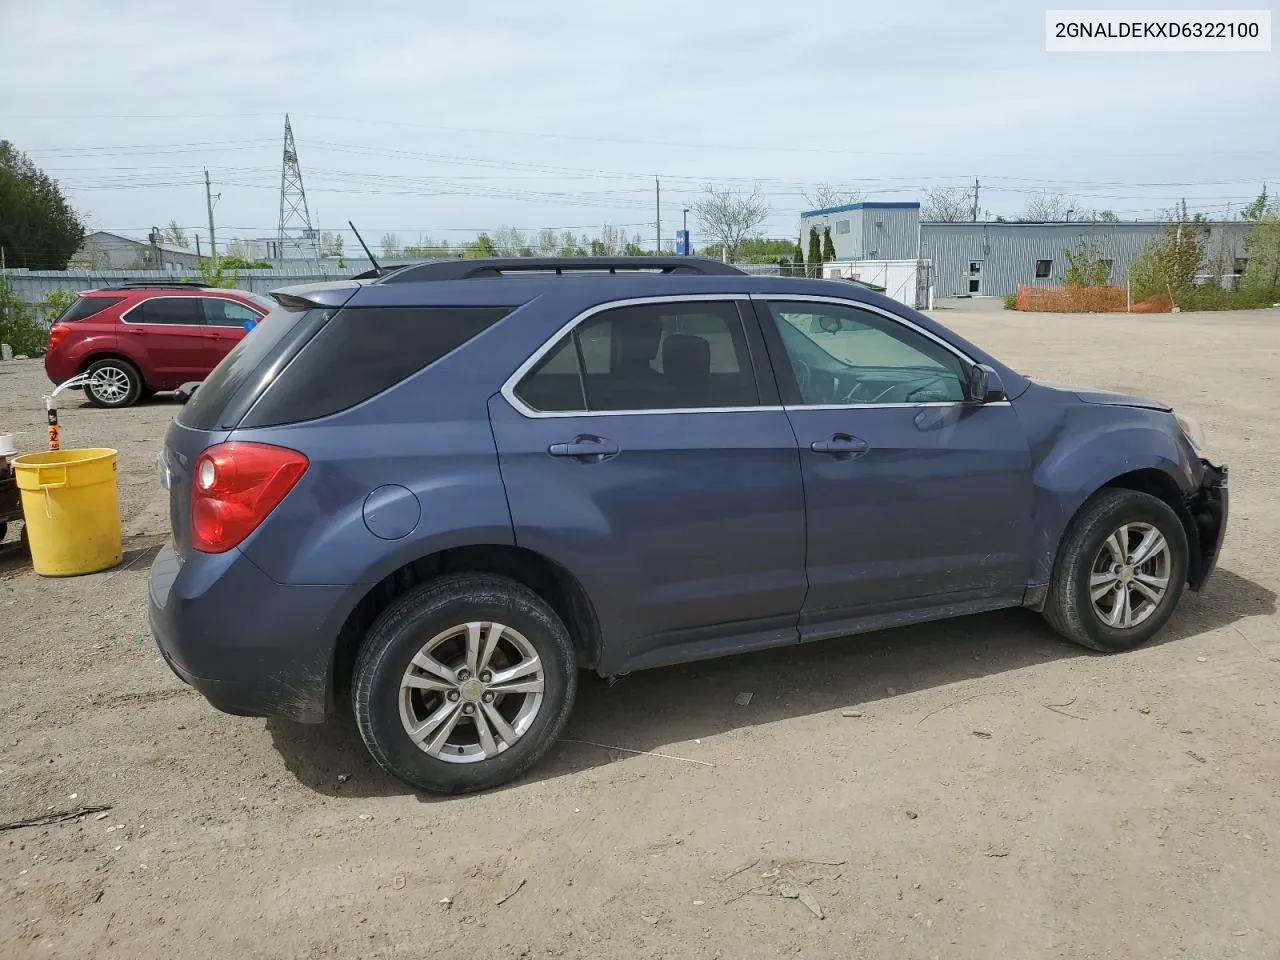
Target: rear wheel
(1120,571)
(464,683)
(113,383)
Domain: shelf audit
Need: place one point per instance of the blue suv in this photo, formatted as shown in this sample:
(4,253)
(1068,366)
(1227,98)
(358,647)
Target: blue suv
(435,494)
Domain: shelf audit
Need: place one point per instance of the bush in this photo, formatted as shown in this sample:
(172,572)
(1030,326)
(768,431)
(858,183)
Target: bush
(1214,297)
(1011,301)
(24,326)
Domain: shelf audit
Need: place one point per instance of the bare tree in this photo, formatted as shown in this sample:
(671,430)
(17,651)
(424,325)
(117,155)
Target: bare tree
(547,243)
(390,246)
(729,215)
(947,205)
(509,242)
(1048,207)
(825,195)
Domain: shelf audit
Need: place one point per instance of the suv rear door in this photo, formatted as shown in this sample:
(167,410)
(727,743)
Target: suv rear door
(166,335)
(644,449)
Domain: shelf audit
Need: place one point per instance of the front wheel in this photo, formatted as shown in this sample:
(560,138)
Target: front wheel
(1120,571)
(113,383)
(464,683)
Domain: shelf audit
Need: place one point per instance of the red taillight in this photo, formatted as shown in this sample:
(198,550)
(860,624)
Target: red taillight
(233,488)
(57,333)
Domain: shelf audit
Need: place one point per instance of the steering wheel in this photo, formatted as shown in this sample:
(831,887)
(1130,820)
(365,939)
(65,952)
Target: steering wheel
(804,375)
(928,382)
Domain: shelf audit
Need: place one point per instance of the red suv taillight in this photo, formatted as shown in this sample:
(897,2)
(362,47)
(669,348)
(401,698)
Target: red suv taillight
(234,486)
(57,333)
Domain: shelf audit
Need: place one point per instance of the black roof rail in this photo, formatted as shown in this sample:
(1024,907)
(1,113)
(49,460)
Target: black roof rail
(488,268)
(156,284)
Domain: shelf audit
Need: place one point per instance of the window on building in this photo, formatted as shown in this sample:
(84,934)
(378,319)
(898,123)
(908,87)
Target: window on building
(1042,269)
(975,266)
(842,226)
(1239,266)
(661,356)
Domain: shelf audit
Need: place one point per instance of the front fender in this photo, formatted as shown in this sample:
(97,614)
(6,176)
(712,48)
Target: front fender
(1085,447)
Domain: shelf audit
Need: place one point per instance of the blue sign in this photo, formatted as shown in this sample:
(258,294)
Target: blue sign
(682,243)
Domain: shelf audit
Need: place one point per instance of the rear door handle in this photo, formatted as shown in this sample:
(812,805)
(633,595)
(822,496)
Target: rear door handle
(587,449)
(841,446)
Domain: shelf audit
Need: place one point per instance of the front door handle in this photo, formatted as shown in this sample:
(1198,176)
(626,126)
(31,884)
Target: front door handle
(587,449)
(841,446)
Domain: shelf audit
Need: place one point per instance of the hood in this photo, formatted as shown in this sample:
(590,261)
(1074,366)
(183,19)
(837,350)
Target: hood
(1106,398)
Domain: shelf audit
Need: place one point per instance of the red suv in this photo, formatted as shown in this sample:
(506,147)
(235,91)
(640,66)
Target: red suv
(136,339)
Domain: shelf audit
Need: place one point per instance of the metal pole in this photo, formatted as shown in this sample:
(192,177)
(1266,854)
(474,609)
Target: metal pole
(688,247)
(208,197)
(975,199)
(657,216)
(197,236)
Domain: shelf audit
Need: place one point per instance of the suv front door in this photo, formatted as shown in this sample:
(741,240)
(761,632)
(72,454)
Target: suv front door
(646,452)
(918,498)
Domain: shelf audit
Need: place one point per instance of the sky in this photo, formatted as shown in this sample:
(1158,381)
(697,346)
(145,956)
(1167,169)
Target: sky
(432,120)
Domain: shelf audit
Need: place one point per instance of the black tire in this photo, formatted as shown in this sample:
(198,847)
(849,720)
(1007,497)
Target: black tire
(127,383)
(1070,608)
(398,635)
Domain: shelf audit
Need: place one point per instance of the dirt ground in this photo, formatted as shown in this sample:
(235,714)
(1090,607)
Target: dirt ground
(998,792)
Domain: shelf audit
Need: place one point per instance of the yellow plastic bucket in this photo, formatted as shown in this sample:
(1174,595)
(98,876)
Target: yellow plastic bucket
(69,505)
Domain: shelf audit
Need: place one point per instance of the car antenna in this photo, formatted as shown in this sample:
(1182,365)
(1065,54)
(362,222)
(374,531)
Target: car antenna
(367,252)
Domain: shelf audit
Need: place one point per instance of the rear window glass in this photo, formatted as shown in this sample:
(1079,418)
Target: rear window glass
(86,307)
(227,392)
(361,352)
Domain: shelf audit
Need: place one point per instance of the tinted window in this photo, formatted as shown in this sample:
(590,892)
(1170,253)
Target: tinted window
(186,310)
(239,379)
(86,307)
(360,353)
(555,384)
(226,313)
(848,356)
(1042,268)
(662,356)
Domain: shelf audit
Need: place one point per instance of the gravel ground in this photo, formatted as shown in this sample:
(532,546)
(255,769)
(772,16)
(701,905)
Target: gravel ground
(994,792)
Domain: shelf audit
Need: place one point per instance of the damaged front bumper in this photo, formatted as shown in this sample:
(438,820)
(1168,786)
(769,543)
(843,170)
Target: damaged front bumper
(1208,508)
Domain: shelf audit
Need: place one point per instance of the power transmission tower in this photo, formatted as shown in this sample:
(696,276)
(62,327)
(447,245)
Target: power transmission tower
(295,234)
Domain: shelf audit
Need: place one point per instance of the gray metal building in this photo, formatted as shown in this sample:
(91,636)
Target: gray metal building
(868,231)
(991,258)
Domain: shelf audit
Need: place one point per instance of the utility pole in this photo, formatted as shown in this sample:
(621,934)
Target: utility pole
(657,216)
(208,196)
(975,199)
(197,236)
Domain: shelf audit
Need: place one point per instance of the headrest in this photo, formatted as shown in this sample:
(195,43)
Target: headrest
(686,357)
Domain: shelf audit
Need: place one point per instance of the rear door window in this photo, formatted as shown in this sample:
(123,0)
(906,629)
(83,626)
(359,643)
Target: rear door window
(175,310)
(654,356)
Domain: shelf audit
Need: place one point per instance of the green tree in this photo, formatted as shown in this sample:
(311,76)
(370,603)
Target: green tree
(815,253)
(828,245)
(24,326)
(219,274)
(1169,264)
(1085,266)
(481,246)
(241,263)
(757,250)
(330,244)
(38,228)
(797,258)
(1262,245)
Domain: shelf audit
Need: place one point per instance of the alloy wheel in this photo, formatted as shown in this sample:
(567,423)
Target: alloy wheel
(1130,575)
(471,692)
(109,384)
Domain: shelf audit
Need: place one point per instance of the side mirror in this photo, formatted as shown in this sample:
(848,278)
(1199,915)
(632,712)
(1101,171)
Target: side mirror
(985,385)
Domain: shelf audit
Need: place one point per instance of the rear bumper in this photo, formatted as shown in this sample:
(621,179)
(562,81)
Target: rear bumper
(1209,507)
(251,646)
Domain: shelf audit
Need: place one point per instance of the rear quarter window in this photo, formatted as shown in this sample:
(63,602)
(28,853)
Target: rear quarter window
(361,352)
(85,307)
